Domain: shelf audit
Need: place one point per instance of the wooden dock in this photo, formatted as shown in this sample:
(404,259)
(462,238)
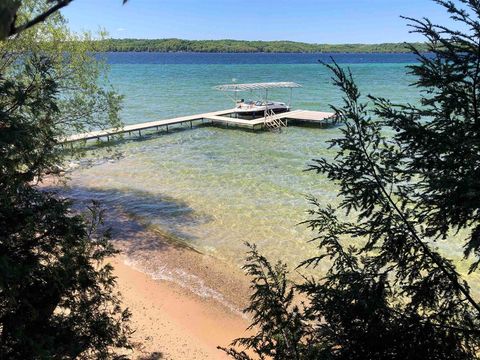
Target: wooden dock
(222,117)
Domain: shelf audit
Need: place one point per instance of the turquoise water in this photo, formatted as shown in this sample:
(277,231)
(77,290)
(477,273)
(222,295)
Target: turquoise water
(157,91)
(217,188)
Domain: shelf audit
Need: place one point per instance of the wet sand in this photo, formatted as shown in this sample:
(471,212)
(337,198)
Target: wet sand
(172,323)
(183,303)
(176,317)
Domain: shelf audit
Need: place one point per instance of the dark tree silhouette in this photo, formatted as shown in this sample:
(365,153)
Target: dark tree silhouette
(57,296)
(8,16)
(390,294)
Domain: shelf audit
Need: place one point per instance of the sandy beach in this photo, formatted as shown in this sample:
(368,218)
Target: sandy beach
(188,307)
(172,323)
(183,303)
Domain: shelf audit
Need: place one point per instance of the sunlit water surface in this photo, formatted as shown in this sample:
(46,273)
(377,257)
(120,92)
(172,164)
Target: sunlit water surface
(217,188)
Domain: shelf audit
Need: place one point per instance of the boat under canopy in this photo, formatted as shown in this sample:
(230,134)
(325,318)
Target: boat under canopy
(253,109)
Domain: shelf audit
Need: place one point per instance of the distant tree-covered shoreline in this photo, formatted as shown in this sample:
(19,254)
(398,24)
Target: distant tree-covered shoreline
(242,46)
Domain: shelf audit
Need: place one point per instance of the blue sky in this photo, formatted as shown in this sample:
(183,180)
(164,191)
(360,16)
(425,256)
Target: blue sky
(316,21)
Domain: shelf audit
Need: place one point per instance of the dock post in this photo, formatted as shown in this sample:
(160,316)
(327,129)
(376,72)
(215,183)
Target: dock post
(167,128)
(191,125)
(139,133)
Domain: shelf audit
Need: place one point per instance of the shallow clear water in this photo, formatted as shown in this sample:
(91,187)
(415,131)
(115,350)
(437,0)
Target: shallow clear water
(216,188)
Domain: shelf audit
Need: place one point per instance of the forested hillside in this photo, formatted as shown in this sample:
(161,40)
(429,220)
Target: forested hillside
(237,46)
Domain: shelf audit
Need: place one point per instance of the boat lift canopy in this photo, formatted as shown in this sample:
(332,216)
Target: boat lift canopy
(257,86)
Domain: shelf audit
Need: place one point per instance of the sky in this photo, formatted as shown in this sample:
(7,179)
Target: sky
(313,21)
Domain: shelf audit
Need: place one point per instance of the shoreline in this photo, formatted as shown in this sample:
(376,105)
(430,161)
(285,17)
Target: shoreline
(148,250)
(184,303)
(172,323)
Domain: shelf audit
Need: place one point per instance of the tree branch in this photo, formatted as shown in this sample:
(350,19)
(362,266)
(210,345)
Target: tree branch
(42,17)
(410,227)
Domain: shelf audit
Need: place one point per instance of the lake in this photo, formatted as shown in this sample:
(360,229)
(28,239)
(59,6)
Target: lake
(216,188)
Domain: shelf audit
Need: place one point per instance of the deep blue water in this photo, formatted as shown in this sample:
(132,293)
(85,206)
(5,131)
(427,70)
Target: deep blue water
(253,58)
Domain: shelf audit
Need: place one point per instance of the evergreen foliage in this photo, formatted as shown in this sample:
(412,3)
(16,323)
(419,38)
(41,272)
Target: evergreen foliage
(390,294)
(57,294)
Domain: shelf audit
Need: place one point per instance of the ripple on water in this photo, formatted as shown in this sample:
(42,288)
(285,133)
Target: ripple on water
(221,188)
(218,188)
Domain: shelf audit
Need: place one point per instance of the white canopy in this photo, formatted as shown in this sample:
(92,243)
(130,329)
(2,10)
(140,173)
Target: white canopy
(257,86)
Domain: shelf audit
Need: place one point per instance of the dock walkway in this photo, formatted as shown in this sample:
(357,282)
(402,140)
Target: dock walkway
(222,117)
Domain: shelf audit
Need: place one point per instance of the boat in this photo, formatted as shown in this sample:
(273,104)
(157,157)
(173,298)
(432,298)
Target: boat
(258,108)
(252,109)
